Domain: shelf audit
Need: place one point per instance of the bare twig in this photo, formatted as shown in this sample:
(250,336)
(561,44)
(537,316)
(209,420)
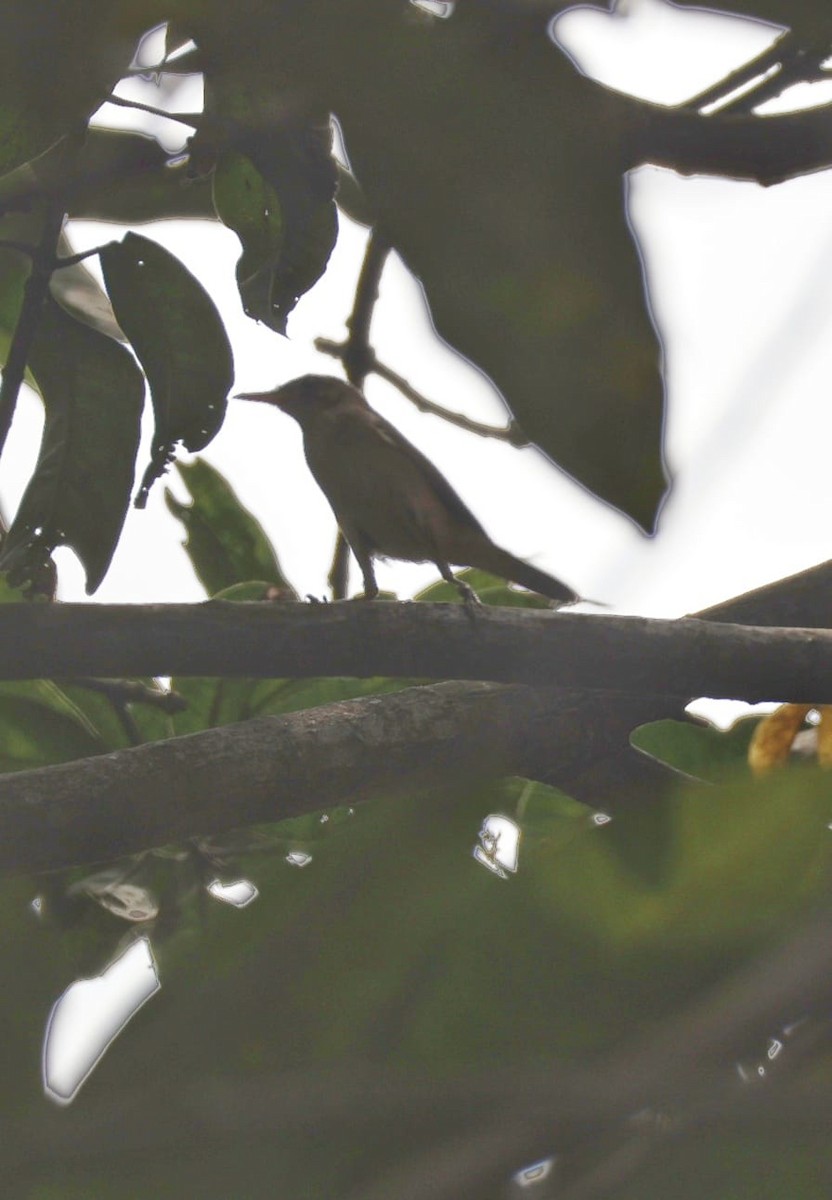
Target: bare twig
(133,691)
(192,119)
(357,356)
(786,62)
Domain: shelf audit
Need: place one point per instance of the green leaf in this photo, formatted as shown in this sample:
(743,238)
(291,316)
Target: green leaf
(40,725)
(176,331)
(78,496)
(275,188)
(489,588)
(225,543)
(249,205)
(696,748)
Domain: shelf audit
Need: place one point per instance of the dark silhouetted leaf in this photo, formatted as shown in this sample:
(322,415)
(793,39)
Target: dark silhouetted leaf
(276,190)
(225,544)
(126,177)
(58,62)
(78,496)
(176,331)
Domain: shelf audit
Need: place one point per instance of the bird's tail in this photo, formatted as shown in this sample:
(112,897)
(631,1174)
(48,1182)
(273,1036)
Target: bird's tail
(500,562)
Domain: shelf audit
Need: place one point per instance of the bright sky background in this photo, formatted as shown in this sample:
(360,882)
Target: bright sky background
(739,284)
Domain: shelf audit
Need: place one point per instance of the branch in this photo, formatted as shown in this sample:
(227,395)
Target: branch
(272,768)
(636,655)
(752,83)
(193,120)
(803,600)
(357,356)
(767,150)
(511,433)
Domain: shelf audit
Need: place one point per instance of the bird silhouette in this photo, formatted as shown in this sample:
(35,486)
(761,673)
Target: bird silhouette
(389,500)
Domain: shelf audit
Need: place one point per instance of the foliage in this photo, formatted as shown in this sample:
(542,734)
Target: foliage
(497,172)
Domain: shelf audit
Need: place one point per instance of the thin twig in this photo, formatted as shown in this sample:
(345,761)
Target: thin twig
(72,260)
(192,119)
(121,693)
(133,691)
(788,61)
(358,358)
(772,56)
(511,433)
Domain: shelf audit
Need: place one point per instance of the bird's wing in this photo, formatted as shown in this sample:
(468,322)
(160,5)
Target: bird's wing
(431,475)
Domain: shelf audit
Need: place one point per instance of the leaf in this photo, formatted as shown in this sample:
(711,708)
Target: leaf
(57,64)
(275,188)
(176,331)
(225,543)
(40,725)
(78,292)
(78,496)
(489,588)
(127,177)
(249,205)
(696,748)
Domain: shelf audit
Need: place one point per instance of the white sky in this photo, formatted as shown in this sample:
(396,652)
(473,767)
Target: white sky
(739,284)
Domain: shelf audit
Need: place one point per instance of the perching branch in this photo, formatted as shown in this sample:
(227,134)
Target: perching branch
(634,655)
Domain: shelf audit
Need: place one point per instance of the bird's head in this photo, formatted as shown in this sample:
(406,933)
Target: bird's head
(309,397)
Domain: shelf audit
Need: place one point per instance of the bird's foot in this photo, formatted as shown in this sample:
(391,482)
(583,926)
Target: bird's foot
(470,599)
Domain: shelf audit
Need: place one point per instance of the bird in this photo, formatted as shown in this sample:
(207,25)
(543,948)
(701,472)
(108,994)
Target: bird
(389,500)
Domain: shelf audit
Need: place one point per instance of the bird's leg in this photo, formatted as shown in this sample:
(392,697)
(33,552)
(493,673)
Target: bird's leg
(365,562)
(469,596)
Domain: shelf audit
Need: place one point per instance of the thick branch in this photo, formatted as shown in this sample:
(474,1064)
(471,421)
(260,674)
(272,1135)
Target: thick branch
(636,655)
(271,768)
(767,150)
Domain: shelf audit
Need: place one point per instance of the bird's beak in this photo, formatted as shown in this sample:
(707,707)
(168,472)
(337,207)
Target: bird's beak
(262,397)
